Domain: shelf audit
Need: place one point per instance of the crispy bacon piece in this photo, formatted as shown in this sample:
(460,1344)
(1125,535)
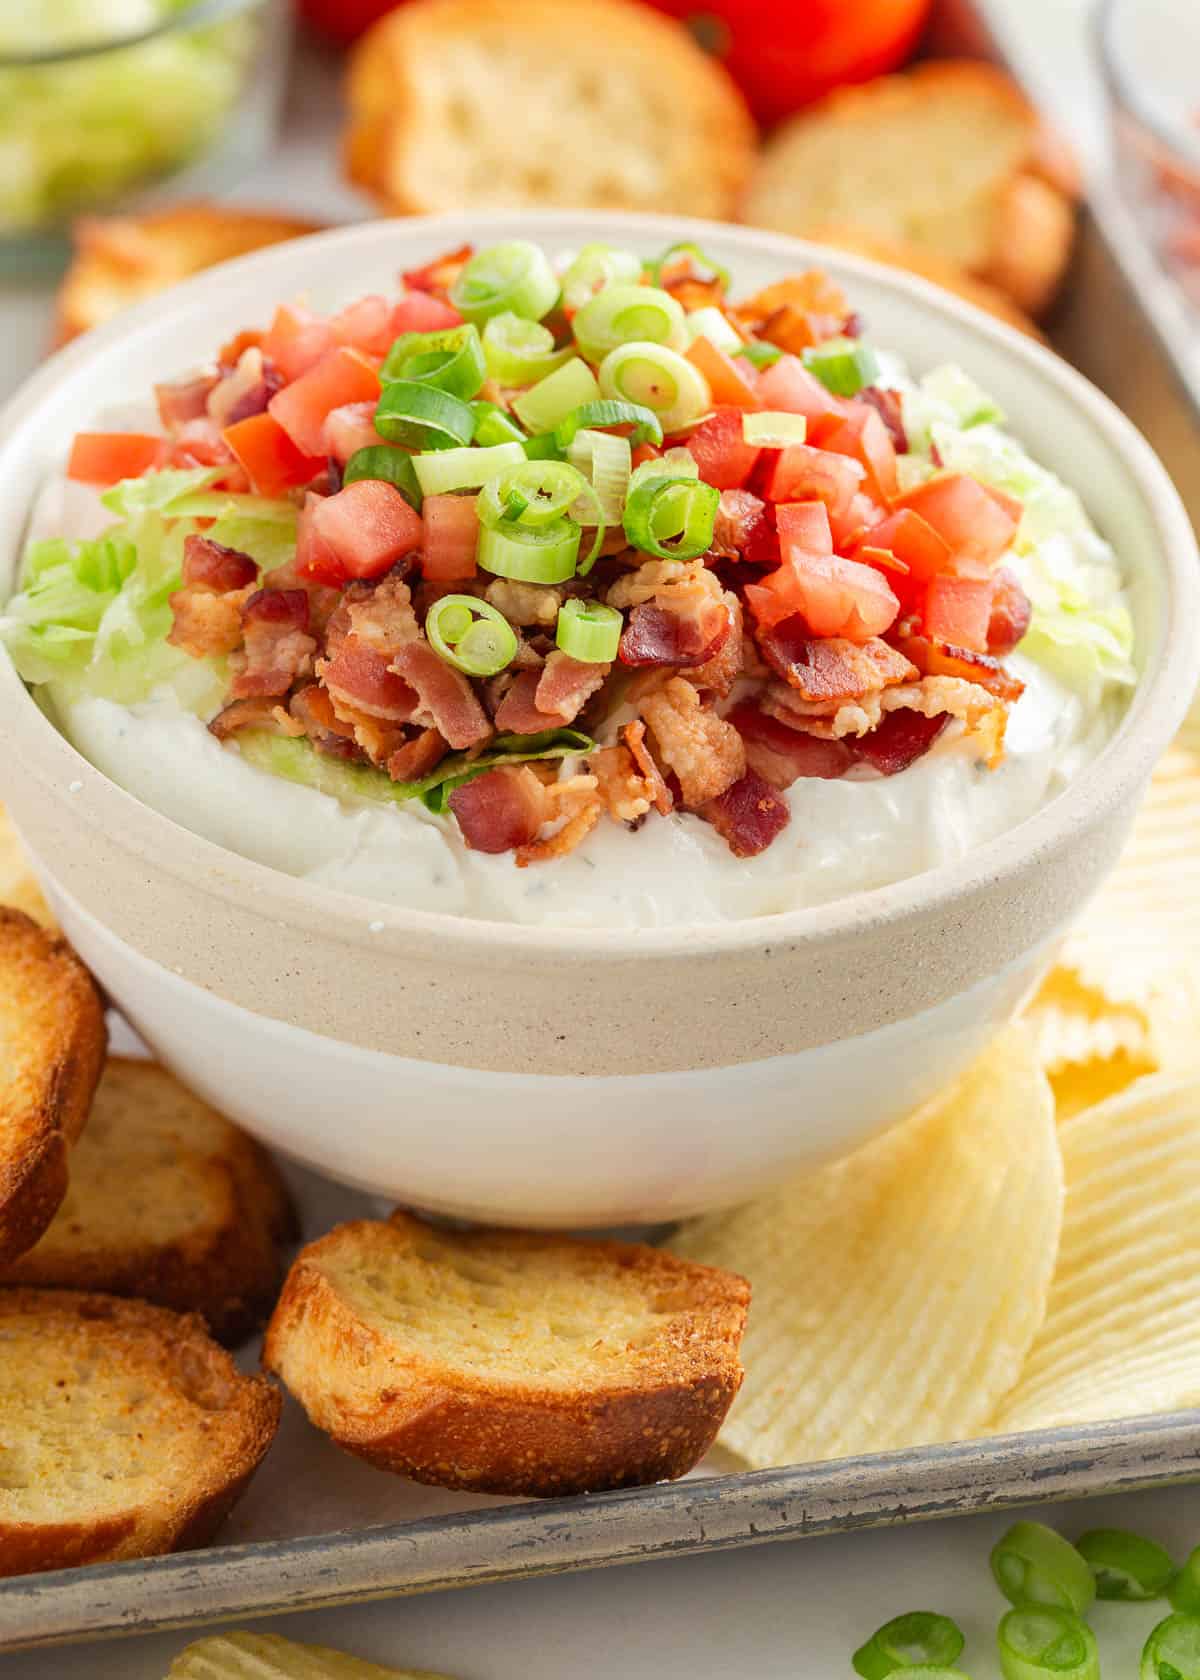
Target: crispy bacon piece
(830,671)
(207,622)
(984,715)
(245,391)
(943,659)
(277,648)
(184,400)
(524,604)
(500,810)
(634,736)
(358,679)
(797,312)
(719,673)
(322,602)
(693,292)
(744,529)
(417,757)
(1011,613)
(254,714)
(887,405)
(781,755)
(704,752)
(565,685)
(748,815)
(440,274)
(621,786)
(899,739)
(577,799)
(312,710)
(447,700)
(216,566)
(378,614)
(658,636)
(518,712)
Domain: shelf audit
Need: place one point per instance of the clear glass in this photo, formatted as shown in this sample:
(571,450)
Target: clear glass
(183,104)
(1150,51)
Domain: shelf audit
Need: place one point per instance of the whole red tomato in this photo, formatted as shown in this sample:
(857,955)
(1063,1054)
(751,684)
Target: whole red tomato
(342,21)
(785,53)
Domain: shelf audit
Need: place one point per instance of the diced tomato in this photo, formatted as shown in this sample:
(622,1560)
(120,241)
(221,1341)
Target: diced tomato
(366,325)
(977,529)
(788,386)
(912,540)
(420,312)
(958,611)
(800,473)
(864,437)
(647,452)
(1012,611)
(882,559)
(731,381)
(341,376)
(1012,505)
(108,457)
(720,451)
(805,526)
(836,597)
(451,536)
(349,429)
(359,533)
(271,459)
(851,524)
(297,340)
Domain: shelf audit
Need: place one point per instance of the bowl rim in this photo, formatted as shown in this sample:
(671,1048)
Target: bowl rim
(199,15)
(1130,95)
(1144,732)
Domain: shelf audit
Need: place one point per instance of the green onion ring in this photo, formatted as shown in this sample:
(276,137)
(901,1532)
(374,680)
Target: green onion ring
(655,377)
(390,466)
(539,494)
(589,631)
(647,428)
(596,267)
(1040,1640)
(1126,1566)
(1033,1564)
(671,518)
(917,1637)
(422,417)
(470,635)
(689,248)
(548,555)
(629,314)
(843,365)
(520,352)
(451,360)
(1172,1651)
(511,278)
(442,471)
(759,354)
(493,425)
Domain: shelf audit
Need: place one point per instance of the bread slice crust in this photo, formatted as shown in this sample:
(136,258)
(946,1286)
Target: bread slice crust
(52,1046)
(125,1431)
(169,1203)
(528,1365)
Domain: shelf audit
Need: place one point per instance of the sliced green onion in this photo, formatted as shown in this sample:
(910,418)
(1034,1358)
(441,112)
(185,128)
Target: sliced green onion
(470,635)
(1037,1641)
(1033,1564)
(422,417)
(1126,1566)
(1172,1651)
(671,518)
(769,430)
(711,324)
(537,494)
(1184,1590)
(647,428)
(761,355)
(627,315)
(520,352)
(492,425)
(464,469)
(516,551)
(843,365)
(595,267)
(551,399)
(920,1637)
(451,360)
(659,379)
(513,278)
(392,466)
(689,248)
(605,458)
(589,631)
(544,448)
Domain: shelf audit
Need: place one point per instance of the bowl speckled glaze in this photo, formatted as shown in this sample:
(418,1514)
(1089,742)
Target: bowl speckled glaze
(567,1077)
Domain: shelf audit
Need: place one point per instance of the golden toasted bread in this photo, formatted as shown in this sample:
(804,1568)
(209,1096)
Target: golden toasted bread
(268,1656)
(895,253)
(52,1044)
(502,104)
(508,1362)
(948,158)
(119,260)
(126,1431)
(18,888)
(168,1202)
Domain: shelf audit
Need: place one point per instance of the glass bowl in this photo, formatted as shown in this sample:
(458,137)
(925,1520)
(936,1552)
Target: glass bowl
(130,101)
(1150,53)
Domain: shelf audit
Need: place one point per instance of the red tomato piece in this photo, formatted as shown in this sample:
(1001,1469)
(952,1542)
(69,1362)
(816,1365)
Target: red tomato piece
(730,379)
(451,536)
(977,529)
(804,525)
(297,339)
(360,533)
(108,457)
(366,325)
(801,473)
(912,540)
(864,437)
(958,611)
(789,387)
(272,462)
(647,452)
(720,451)
(341,376)
(836,597)
(1012,505)
(421,312)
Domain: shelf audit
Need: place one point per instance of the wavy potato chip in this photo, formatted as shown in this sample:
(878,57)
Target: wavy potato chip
(1122,1330)
(267,1656)
(18,889)
(896,1294)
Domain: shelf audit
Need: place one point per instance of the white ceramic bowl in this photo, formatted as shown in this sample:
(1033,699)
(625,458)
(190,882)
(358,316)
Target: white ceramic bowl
(558,1077)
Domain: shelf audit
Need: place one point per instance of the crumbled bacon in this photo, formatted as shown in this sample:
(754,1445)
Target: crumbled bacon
(887,405)
(565,685)
(980,710)
(744,529)
(578,800)
(748,815)
(245,391)
(358,678)
(518,712)
(797,312)
(215,565)
(900,739)
(184,400)
(941,659)
(447,700)
(525,604)
(312,710)
(1012,611)
(831,671)
(440,274)
(782,754)
(322,601)
(661,797)
(704,752)
(621,786)
(501,809)
(719,673)
(277,648)
(254,714)
(207,622)
(379,614)
(418,756)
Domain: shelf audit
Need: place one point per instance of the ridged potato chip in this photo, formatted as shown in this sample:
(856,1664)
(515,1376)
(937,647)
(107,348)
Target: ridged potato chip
(18,889)
(1121,1332)
(896,1294)
(267,1656)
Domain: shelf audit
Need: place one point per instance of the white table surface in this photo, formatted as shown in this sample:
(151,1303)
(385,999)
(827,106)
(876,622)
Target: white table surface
(791,1611)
